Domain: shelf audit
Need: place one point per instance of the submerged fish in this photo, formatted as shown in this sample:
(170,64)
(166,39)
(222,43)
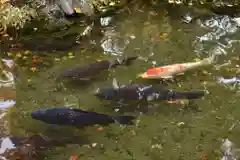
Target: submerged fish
(143,92)
(77,117)
(167,72)
(89,71)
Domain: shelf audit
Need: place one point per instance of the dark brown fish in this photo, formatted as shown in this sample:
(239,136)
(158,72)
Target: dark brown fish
(91,70)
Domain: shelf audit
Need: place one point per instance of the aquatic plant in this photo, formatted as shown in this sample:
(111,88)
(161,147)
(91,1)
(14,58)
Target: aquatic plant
(16,17)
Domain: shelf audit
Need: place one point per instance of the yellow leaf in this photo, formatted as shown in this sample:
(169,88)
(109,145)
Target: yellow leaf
(24,57)
(29,80)
(18,55)
(112,4)
(197,59)
(139,75)
(78,10)
(33,69)
(164,35)
(27,52)
(70,54)
(9,54)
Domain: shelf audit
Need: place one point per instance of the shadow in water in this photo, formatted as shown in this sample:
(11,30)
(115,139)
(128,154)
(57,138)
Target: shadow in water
(150,107)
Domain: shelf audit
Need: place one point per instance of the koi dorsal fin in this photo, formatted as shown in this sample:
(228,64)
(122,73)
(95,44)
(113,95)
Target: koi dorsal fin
(115,83)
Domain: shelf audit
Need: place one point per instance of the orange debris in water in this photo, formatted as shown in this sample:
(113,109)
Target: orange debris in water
(100,129)
(74,158)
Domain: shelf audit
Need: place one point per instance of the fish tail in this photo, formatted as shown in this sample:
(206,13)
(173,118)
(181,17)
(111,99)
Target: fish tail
(209,60)
(186,95)
(124,119)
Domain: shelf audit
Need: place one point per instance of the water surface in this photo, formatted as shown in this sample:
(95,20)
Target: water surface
(163,131)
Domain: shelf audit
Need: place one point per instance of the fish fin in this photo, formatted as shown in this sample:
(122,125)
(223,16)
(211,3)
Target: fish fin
(167,77)
(115,83)
(124,119)
(128,60)
(210,60)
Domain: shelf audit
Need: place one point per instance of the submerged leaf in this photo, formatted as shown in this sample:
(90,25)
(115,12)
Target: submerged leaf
(78,10)
(197,59)
(164,35)
(33,69)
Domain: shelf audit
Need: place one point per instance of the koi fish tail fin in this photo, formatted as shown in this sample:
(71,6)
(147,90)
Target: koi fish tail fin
(186,95)
(128,60)
(210,60)
(124,119)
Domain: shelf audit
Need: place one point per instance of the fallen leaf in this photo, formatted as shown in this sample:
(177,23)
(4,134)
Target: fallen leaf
(179,124)
(24,57)
(100,129)
(164,35)
(78,10)
(27,52)
(74,158)
(18,55)
(33,69)
(112,4)
(197,59)
(9,54)
(70,54)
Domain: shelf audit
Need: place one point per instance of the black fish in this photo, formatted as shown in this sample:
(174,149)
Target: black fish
(144,92)
(77,117)
(91,70)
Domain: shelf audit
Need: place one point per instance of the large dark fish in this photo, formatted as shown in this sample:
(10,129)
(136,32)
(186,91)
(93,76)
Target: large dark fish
(143,92)
(91,70)
(77,117)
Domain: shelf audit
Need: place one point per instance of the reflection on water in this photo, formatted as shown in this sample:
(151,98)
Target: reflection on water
(7,91)
(230,152)
(221,27)
(113,43)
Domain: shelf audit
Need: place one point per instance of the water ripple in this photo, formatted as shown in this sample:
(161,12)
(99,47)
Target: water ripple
(221,28)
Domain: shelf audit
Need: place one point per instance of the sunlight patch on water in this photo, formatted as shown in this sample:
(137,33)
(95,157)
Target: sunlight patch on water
(222,27)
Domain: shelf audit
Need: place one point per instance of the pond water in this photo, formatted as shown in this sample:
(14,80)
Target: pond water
(160,35)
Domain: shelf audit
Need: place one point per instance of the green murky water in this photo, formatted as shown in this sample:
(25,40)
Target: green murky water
(178,131)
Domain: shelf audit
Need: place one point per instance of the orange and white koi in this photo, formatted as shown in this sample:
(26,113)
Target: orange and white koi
(167,72)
